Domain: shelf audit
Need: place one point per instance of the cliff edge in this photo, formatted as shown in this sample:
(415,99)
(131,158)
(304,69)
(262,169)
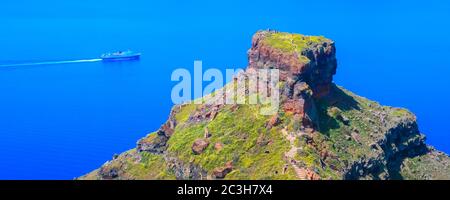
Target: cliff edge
(321,130)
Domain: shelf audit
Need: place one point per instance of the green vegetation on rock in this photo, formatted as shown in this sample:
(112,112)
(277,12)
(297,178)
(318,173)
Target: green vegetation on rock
(293,43)
(321,131)
(238,132)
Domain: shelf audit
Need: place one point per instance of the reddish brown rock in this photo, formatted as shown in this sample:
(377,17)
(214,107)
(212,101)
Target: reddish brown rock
(205,112)
(167,128)
(218,146)
(221,172)
(199,146)
(317,70)
(274,121)
(294,106)
(311,175)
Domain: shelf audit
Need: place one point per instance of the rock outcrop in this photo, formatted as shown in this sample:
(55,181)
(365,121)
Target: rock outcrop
(306,63)
(321,131)
(300,59)
(221,172)
(199,146)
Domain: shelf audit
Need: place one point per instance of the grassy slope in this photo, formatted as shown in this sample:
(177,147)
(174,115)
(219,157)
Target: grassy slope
(434,165)
(292,43)
(242,133)
(238,131)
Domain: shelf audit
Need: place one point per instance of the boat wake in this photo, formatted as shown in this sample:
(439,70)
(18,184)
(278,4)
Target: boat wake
(52,62)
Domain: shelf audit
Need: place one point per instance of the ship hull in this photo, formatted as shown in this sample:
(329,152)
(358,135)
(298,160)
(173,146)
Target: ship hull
(121,58)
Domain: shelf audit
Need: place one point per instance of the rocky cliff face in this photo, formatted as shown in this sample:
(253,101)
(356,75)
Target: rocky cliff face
(306,63)
(321,130)
(299,58)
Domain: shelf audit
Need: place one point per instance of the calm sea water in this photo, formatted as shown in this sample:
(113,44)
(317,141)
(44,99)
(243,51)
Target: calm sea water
(63,120)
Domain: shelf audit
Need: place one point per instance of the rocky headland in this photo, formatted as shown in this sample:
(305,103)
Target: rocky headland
(321,130)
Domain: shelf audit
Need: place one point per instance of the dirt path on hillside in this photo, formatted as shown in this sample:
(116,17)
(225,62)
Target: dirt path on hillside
(290,155)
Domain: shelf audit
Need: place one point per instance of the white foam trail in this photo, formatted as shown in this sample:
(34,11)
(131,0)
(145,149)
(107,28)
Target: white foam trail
(52,62)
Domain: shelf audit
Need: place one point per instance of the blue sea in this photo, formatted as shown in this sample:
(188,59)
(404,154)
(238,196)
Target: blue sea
(66,117)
